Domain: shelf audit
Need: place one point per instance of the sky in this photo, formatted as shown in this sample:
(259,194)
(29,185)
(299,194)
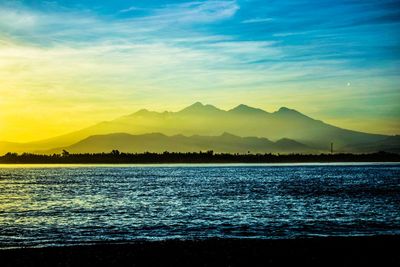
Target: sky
(65,65)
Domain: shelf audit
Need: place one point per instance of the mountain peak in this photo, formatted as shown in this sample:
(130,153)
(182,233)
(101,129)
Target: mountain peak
(285,109)
(243,106)
(199,107)
(228,135)
(247,109)
(197,104)
(142,111)
(286,141)
(288,111)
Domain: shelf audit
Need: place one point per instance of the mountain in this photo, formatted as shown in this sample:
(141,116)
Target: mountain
(246,110)
(389,144)
(208,120)
(157,142)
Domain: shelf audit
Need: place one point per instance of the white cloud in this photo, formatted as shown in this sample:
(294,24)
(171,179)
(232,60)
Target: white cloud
(62,26)
(17,19)
(257,20)
(129,9)
(284,34)
(193,12)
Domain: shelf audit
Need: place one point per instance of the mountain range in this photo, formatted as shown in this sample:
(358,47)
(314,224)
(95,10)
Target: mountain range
(157,142)
(206,127)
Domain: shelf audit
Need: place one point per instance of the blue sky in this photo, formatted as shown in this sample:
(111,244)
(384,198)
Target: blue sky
(334,60)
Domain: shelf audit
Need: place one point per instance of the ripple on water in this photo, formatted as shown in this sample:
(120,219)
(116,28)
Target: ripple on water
(64,205)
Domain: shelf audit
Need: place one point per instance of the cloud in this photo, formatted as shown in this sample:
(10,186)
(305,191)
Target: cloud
(69,49)
(63,25)
(12,19)
(257,20)
(131,8)
(285,34)
(194,12)
(51,59)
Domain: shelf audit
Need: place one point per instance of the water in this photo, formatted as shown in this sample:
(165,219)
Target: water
(64,205)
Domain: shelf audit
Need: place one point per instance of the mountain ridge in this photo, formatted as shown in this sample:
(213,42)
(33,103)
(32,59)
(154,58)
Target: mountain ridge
(159,142)
(208,120)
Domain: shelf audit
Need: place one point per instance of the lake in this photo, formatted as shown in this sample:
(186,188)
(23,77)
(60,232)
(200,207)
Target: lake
(55,205)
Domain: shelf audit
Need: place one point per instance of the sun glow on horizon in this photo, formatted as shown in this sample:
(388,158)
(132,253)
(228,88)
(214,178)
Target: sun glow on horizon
(66,65)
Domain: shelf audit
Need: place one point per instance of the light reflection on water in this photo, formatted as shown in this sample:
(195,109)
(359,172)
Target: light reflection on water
(57,205)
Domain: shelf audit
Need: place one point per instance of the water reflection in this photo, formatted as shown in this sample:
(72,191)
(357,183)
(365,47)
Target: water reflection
(78,204)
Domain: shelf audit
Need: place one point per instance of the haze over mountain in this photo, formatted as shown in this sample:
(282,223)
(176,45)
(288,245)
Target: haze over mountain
(208,120)
(157,142)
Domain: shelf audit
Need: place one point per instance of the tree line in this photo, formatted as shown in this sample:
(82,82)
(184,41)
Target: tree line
(116,156)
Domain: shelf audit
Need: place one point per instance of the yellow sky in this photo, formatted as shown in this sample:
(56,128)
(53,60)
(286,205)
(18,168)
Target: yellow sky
(62,70)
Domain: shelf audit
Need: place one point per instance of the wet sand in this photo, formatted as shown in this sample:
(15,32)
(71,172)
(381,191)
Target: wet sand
(338,251)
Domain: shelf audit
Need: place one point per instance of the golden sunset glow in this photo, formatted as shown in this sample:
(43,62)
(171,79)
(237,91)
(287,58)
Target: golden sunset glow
(63,69)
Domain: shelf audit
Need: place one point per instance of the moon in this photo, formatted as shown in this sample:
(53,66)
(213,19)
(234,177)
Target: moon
(348,84)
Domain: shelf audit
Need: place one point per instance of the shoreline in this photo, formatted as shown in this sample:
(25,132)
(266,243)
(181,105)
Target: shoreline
(203,163)
(193,165)
(177,164)
(341,251)
(193,158)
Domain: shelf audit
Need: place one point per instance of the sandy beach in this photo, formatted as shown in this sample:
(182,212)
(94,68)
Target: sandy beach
(339,251)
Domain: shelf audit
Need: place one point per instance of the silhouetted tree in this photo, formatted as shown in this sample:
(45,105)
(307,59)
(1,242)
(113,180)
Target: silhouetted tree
(115,152)
(194,157)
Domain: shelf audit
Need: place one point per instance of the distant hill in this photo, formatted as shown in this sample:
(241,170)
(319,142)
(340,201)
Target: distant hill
(389,144)
(156,142)
(208,120)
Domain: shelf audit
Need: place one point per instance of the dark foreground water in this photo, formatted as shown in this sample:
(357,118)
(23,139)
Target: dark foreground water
(63,205)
